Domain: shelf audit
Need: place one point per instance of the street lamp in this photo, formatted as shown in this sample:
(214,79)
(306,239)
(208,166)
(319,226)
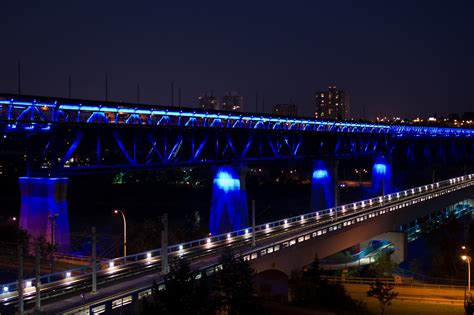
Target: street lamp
(468,260)
(124,231)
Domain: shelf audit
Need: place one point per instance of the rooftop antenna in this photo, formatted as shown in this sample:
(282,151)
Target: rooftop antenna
(106,87)
(172,93)
(70,86)
(256,102)
(138,94)
(19,77)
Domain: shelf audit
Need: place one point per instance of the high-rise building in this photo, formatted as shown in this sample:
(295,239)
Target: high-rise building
(208,101)
(332,104)
(285,110)
(232,101)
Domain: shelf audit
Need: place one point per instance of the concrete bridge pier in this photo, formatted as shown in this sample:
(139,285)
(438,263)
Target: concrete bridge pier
(382,181)
(399,241)
(229,206)
(44,210)
(323,184)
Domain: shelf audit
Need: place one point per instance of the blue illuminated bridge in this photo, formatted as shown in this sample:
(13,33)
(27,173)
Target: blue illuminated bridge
(62,136)
(56,137)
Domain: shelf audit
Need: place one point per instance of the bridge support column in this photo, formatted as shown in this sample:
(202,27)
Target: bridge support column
(323,184)
(399,241)
(229,207)
(382,176)
(44,211)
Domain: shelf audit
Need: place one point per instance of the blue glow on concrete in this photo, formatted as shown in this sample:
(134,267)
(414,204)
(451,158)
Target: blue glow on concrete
(229,208)
(380,169)
(322,185)
(40,199)
(382,175)
(320,174)
(226,182)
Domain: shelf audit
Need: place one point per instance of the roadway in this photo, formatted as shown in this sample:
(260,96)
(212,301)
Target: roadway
(121,275)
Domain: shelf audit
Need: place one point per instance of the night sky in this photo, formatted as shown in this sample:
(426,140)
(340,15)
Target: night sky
(395,57)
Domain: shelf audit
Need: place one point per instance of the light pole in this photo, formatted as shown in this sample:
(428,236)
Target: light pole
(468,260)
(124,231)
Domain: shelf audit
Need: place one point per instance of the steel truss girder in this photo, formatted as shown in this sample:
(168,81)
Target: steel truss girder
(77,148)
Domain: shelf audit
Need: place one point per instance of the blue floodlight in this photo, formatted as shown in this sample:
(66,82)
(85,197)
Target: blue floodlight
(226,182)
(229,209)
(380,168)
(320,174)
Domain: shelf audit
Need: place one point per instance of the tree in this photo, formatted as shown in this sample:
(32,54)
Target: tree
(308,288)
(234,290)
(383,293)
(182,293)
(468,304)
(383,266)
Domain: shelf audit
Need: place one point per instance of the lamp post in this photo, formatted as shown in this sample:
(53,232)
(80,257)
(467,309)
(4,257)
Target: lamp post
(124,231)
(468,260)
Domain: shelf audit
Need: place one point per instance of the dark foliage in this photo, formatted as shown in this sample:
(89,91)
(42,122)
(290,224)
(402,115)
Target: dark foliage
(182,293)
(234,293)
(309,289)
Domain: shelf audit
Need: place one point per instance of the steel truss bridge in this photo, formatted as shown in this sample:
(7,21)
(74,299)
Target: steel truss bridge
(203,254)
(65,136)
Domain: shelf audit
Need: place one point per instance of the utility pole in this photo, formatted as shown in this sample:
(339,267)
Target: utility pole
(53,244)
(38,280)
(383,190)
(253,223)
(335,186)
(179,97)
(335,197)
(94,262)
(20,285)
(164,244)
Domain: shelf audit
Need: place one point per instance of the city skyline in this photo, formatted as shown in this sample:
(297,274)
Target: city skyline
(423,50)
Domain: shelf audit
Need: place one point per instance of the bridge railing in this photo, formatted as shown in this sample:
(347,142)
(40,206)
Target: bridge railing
(336,221)
(402,281)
